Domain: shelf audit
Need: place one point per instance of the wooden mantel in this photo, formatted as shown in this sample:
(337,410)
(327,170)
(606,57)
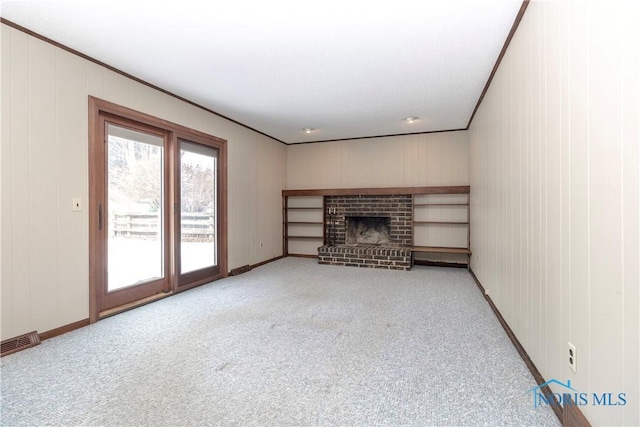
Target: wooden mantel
(458,189)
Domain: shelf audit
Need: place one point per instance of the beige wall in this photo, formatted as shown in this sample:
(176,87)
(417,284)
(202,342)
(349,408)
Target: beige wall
(555,194)
(44,263)
(401,161)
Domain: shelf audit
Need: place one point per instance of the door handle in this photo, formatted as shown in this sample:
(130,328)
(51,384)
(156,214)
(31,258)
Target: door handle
(99,217)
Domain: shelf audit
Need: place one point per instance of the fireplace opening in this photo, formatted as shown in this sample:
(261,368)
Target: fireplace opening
(368,230)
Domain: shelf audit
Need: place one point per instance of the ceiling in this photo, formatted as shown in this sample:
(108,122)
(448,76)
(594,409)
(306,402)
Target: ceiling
(347,69)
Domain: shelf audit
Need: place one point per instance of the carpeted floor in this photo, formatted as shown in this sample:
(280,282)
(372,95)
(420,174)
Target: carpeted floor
(289,343)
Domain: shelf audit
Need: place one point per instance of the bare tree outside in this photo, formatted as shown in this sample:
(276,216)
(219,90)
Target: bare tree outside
(198,207)
(134,176)
(135,183)
(197,185)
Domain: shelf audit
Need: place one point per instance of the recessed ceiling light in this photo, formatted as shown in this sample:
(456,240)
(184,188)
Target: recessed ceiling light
(410,119)
(308,130)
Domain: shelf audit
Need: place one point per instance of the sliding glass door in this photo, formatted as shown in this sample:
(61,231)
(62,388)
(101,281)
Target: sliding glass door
(157,208)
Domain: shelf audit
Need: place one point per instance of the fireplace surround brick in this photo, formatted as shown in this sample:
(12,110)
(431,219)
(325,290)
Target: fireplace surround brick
(397,207)
(393,255)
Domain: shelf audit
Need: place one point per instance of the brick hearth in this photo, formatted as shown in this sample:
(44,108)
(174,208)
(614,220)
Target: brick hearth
(372,256)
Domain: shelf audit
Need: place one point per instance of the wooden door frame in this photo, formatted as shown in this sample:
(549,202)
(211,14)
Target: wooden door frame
(96,194)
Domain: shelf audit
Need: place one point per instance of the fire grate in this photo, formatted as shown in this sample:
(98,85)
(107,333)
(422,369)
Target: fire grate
(13,345)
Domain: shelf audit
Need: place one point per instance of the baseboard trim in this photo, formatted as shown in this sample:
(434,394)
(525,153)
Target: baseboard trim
(260,264)
(64,329)
(302,256)
(570,415)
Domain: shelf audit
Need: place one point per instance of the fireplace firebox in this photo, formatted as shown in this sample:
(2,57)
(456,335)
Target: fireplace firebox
(370,230)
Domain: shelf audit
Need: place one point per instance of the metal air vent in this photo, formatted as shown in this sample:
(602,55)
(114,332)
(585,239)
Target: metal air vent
(16,344)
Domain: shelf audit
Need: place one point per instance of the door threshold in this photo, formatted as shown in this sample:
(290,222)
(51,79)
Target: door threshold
(132,305)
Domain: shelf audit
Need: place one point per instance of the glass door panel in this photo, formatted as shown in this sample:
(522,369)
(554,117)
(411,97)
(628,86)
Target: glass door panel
(135,214)
(198,207)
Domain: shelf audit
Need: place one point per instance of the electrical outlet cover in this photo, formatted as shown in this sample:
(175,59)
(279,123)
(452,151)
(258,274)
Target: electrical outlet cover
(572,356)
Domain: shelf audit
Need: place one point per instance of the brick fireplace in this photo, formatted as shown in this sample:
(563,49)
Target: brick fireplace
(368,231)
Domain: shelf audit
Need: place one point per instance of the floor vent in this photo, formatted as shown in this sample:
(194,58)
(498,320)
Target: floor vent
(240,270)
(13,345)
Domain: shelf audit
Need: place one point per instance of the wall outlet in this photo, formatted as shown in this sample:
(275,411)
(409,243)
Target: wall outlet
(572,355)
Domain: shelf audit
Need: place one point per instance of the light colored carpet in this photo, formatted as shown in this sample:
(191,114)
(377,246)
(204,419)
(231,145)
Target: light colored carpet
(289,343)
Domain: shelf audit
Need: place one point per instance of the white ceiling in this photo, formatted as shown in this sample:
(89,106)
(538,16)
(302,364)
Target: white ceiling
(347,68)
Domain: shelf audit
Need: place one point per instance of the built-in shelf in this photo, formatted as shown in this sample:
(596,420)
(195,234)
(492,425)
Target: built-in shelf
(441,250)
(303,210)
(302,221)
(427,212)
(440,204)
(441,222)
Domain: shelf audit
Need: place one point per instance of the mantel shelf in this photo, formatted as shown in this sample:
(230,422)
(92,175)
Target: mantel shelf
(455,189)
